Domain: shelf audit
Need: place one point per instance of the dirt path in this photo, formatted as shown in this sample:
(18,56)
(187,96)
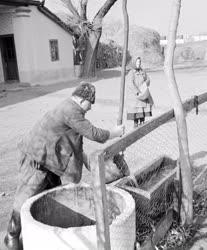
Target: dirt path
(17,119)
(15,93)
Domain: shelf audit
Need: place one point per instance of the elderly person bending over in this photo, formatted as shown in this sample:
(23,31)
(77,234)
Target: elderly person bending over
(53,148)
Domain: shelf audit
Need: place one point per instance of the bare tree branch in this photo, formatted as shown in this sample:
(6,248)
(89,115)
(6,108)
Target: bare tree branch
(72,9)
(83,11)
(104,9)
(86,32)
(74,26)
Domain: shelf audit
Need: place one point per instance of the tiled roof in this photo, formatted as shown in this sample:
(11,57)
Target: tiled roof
(54,18)
(41,8)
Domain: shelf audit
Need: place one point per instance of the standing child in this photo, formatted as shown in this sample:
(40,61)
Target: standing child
(143,101)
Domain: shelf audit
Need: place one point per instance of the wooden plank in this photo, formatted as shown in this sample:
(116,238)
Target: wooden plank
(160,231)
(162,227)
(199,183)
(151,166)
(169,177)
(188,105)
(147,245)
(131,137)
(138,191)
(202,98)
(100,201)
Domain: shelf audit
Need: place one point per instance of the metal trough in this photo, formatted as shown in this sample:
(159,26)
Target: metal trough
(152,188)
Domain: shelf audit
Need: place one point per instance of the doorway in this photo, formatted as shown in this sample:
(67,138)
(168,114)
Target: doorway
(9,60)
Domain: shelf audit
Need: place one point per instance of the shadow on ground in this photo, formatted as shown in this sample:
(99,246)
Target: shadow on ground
(106,74)
(14,93)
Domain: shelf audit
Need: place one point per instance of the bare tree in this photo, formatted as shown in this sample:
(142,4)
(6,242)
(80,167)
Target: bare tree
(87,33)
(124,61)
(185,166)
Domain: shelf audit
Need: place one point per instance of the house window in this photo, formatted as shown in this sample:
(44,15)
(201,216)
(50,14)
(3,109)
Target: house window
(54,53)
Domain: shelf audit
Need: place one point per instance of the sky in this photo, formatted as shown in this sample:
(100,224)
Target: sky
(154,14)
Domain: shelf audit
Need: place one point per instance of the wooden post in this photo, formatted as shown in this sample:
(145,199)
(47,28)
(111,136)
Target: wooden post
(123,69)
(100,201)
(186,176)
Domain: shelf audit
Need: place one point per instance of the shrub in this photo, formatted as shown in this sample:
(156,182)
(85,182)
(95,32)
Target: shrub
(143,42)
(189,53)
(110,55)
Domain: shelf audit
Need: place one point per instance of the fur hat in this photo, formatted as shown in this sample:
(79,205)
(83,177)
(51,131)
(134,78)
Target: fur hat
(86,91)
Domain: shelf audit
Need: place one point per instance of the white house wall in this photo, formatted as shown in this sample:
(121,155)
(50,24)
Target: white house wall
(23,43)
(45,30)
(6,26)
(33,30)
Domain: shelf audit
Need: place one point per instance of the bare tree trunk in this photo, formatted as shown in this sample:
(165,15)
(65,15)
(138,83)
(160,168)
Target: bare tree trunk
(186,176)
(92,42)
(123,70)
(92,31)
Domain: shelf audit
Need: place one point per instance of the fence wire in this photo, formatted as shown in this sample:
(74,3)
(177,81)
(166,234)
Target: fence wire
(152,160)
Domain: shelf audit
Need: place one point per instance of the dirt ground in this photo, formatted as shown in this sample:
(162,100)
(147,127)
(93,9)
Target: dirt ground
(33,102)
(14,93)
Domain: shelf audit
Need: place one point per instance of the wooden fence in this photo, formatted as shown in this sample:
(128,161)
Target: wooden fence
(98,158)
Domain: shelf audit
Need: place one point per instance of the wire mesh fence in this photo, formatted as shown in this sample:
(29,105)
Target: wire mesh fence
(153,162)
(153,190)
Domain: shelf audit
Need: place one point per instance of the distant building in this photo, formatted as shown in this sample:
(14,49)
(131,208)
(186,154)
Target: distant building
(35,45)
(163,40)
(181,39)
(195,38)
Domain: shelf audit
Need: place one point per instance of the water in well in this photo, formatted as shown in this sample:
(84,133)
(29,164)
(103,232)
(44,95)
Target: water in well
(72,208)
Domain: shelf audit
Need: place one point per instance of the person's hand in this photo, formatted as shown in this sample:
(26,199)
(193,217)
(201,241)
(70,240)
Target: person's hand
(118,131)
